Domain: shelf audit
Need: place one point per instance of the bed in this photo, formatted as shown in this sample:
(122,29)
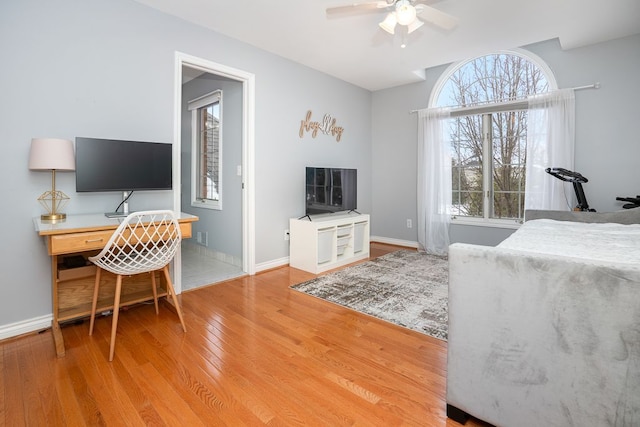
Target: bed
(544,329)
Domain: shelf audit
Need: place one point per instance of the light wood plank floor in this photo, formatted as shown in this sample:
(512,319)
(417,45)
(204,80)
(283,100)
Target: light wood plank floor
(255,353)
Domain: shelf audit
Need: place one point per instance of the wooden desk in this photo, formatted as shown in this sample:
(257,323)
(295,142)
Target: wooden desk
(72,283)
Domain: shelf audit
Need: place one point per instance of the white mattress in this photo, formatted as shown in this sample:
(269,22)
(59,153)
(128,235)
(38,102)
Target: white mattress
(603,242)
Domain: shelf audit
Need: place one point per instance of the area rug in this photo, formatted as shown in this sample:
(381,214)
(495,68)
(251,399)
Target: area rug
(407,288)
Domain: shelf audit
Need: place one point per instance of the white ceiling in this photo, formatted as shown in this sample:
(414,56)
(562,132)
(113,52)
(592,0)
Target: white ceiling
(353,47)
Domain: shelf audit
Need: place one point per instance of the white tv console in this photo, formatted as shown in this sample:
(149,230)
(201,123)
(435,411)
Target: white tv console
(328,241)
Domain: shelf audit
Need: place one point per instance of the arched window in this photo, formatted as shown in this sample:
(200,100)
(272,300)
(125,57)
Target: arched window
(488,131)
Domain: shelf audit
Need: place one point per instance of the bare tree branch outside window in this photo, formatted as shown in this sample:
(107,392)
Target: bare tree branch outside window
(490,80)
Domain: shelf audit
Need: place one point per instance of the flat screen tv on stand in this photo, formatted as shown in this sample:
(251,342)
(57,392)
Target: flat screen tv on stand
(330,190)
(104,165)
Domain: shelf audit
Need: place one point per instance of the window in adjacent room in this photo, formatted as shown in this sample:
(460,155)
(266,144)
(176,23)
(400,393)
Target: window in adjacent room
(206,125)
(488,132)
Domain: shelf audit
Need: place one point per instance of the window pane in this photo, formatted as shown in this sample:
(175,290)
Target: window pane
(209,152)
(467,166)
(492,78)
(509,162)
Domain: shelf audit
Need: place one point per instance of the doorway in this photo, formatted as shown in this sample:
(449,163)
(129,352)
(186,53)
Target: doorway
(228,249)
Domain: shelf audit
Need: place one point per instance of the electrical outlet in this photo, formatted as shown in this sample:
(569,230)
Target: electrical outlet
(286,234)
(409,223)
(202,238)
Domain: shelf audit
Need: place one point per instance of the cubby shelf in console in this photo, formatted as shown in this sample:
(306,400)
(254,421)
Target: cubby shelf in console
(328,241)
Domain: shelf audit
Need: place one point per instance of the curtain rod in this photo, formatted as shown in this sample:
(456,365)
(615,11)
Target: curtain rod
(596,85)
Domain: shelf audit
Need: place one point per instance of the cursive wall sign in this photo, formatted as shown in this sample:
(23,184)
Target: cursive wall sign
(326,126)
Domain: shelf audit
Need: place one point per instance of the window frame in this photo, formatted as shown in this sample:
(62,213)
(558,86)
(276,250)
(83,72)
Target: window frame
(488,193)
(196,106)
(489,108)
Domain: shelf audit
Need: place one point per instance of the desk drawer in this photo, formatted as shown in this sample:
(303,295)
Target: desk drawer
(78,242)
(91,240)
(185,230)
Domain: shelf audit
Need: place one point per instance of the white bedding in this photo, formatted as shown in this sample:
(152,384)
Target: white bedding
(603,242)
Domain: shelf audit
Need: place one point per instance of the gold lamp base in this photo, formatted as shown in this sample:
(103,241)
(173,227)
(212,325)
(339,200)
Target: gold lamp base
(53,217)
(53,201)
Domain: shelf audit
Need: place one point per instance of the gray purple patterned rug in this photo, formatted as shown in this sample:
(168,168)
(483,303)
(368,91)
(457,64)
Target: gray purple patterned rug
(407,288)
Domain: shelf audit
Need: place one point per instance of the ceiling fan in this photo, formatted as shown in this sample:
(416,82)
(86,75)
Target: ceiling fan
(403,12)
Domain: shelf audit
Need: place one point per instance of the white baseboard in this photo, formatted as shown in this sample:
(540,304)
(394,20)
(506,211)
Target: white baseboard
(272,264)
(397,242)
(25,326)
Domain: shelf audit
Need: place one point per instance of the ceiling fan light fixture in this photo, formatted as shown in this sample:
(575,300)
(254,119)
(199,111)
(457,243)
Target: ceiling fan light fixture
(414,25)
(389,23)
(405,12)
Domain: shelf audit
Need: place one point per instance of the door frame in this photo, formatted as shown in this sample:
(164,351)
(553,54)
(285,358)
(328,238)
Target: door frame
(248,152)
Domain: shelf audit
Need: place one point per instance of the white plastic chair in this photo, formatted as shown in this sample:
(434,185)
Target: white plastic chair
(145,242)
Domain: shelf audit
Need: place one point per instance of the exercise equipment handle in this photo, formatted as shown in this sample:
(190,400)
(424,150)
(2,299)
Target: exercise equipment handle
(566,175)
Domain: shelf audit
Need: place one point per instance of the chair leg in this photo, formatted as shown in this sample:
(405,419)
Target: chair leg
(94,303)
(173,295)
(155,290)
(114,322)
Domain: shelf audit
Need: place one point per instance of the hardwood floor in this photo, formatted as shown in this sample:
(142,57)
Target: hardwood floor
(255,352)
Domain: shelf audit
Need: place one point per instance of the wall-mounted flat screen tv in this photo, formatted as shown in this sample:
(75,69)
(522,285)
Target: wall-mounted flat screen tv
(116,165)
(331,190)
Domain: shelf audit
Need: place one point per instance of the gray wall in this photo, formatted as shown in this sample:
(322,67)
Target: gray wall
(607,146)
(224,226)
(105,68)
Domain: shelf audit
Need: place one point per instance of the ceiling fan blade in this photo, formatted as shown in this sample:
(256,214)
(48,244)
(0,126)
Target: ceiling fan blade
(436,17)
(372,6)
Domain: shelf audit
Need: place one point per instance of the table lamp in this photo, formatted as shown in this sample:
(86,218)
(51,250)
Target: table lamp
(52,154)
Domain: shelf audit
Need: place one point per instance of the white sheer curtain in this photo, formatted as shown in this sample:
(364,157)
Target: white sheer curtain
(550,144)
(434,180)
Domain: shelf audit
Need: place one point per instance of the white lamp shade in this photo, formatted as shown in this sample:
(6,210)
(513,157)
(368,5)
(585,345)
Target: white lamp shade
(389,23)
(51,154)
(405,12)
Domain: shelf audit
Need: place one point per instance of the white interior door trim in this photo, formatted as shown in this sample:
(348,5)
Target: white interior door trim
(248,152)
